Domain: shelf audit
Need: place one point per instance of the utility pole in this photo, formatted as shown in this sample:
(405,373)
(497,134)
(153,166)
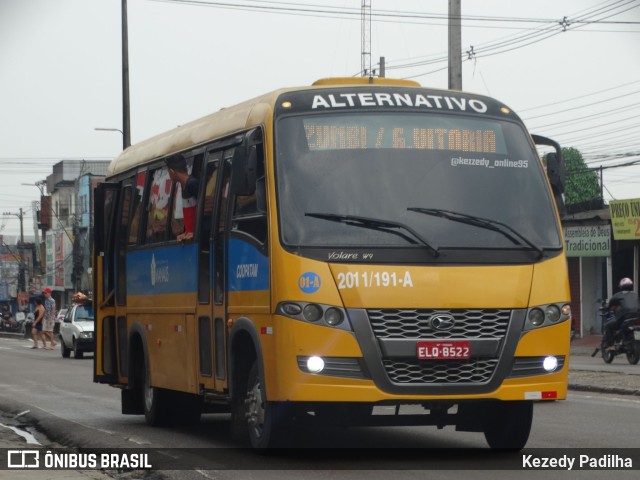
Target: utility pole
(21,274)
(455,46)
(126,120)
(20,216)
(365,31)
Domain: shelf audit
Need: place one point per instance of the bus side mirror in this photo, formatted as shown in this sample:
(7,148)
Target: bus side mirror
(555,170)
(245,165)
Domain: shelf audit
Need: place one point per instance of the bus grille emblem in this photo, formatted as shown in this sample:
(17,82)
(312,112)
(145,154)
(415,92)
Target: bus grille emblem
(442,322)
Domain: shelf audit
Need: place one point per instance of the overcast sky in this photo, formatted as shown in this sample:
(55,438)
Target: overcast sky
(60,70)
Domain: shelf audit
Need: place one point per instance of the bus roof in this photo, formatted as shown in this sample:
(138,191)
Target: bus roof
(228,121)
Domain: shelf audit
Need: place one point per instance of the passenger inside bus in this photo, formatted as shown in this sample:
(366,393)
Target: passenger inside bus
(189,184)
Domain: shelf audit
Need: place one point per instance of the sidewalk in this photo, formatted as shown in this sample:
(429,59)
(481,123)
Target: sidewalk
(591,373)
(14,435)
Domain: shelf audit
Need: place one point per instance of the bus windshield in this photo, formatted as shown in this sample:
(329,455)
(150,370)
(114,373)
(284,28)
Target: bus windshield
(458,182)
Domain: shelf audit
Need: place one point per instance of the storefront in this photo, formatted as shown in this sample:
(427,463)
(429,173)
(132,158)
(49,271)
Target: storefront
(588,247)
(625,222)
(602,247)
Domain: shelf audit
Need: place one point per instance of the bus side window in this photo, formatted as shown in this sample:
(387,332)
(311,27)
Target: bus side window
(108,230)
(177,218)
(158,206)
(206,219)
(137,208)
(220,228)
(177,226)
(121,245)
(246,216)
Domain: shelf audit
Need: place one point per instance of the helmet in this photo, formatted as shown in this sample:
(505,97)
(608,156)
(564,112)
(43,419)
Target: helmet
(626,284)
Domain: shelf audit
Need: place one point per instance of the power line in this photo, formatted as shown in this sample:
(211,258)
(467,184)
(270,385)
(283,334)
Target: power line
(554,104)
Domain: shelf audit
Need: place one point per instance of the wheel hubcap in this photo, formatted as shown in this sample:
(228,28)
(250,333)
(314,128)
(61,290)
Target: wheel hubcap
(148,395)
(254,409)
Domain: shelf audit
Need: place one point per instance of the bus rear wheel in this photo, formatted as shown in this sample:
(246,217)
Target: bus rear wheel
(507,424)
(155,401)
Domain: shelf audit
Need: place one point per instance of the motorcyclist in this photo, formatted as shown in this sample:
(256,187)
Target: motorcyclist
(6,313)
(623,305)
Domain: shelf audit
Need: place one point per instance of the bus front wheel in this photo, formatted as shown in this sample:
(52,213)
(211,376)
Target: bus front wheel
(265,420)
(507,424)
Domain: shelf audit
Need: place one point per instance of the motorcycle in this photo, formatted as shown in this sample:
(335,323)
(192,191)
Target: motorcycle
(626,340)
(9,324)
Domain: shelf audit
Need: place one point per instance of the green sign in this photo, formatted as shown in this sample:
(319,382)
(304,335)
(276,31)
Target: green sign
(588,241)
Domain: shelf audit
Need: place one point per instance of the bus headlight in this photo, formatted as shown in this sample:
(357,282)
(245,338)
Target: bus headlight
(552,313)
(312,312)
(547,315)
(333,316)
(536,317)
(318,314)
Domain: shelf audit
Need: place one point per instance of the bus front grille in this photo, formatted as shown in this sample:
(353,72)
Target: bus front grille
(414,371)
(417,324)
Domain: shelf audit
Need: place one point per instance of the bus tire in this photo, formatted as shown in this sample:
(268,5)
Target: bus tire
(507,424)
(265,421)
(156,402)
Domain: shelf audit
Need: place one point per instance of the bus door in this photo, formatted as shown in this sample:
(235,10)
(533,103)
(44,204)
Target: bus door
(126,232)
(104,360)
(212,306)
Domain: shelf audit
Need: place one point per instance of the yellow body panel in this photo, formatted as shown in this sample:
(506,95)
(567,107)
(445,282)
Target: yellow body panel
(286,382)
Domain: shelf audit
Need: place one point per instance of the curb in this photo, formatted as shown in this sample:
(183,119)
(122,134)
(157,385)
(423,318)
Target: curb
(596,389)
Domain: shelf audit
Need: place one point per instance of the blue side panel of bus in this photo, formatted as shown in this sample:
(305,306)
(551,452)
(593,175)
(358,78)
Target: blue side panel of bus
(248,267)
(172,269)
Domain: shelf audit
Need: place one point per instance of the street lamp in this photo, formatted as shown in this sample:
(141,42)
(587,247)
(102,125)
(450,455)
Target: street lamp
(109,130)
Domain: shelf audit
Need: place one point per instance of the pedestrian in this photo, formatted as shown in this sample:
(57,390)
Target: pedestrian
(49,320)
(36,328)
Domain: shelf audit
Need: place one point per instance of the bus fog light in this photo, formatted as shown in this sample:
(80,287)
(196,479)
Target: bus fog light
(536,317)
(312,312)
(333,316)
(315,364)
(550,364)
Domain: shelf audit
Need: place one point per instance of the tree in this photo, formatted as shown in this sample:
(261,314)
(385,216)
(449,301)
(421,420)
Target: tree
(582,185)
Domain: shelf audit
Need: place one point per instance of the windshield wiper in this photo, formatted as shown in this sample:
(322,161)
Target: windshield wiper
(507,231)
(376,224)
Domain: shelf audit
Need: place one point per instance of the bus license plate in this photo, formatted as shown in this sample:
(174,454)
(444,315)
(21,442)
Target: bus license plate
(443,350)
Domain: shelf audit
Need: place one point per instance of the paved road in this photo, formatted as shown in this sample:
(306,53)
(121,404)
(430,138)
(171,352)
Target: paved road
(72,410)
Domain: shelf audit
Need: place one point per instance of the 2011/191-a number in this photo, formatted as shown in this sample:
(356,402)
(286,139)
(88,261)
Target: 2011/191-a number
(347,280)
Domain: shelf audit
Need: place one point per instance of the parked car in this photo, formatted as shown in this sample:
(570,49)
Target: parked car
(59,318)
(76,331)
